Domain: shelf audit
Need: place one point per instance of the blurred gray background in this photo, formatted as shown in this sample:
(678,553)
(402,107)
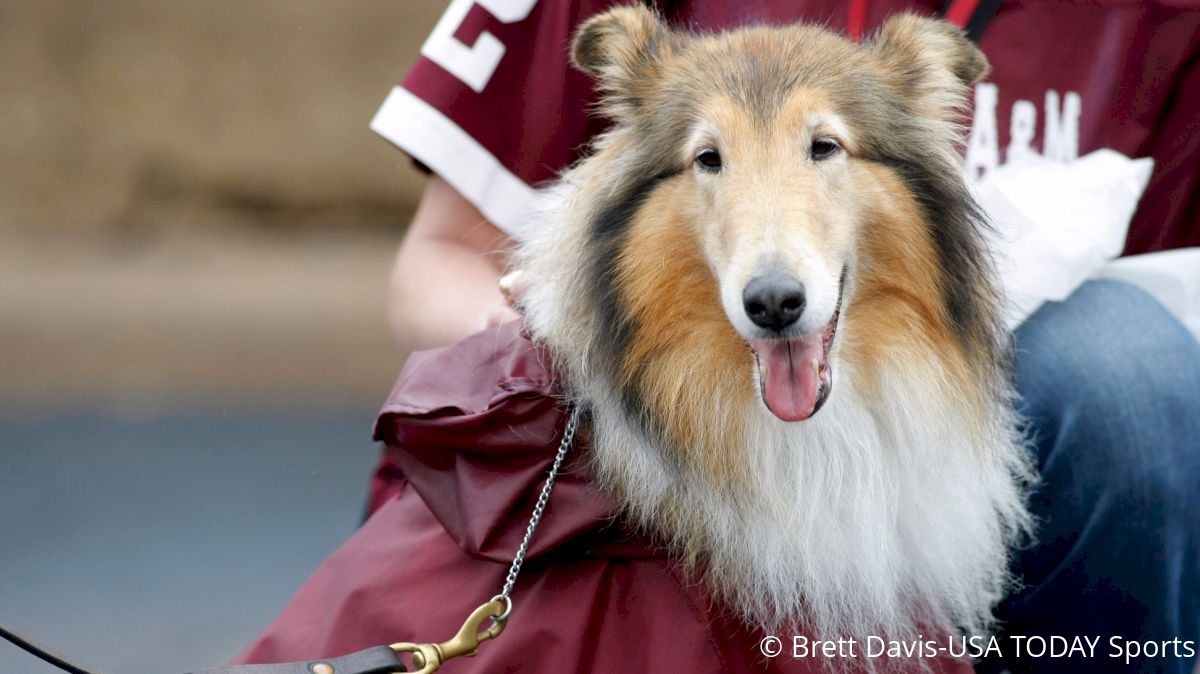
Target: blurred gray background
(196,228)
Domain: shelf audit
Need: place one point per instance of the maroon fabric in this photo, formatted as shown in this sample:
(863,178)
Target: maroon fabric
(1136,66)
(474,445)
(470,432)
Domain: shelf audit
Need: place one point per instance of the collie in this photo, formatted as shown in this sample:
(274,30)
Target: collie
(768,283)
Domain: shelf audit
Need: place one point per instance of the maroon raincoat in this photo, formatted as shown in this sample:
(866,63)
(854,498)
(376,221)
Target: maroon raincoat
(470,431)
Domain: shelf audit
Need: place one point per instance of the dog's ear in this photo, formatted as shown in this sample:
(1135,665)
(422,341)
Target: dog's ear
(617,46)
(931,58)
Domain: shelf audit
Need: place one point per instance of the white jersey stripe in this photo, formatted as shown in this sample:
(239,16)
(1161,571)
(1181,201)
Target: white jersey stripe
(422,131)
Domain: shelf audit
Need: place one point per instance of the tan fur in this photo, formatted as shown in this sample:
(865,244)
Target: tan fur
(897,313)
(686,360)
(932,62)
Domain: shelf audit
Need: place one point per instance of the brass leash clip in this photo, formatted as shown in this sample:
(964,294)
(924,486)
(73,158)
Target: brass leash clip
(429,657)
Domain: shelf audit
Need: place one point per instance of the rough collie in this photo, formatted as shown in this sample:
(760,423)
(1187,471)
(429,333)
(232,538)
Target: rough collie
(767,281)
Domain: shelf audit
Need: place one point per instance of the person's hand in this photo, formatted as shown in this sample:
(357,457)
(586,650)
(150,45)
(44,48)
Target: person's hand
(512,289)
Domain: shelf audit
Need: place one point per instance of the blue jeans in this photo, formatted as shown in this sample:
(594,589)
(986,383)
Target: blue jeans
(1110,383)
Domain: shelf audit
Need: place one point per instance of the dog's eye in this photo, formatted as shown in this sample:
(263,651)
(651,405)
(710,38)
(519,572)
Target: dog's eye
(709,160)
(823,148)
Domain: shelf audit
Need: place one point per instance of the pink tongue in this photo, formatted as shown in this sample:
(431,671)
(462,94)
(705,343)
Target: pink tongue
(790,387)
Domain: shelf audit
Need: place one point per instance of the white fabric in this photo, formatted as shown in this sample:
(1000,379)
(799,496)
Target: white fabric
(425,133)
(1061,223)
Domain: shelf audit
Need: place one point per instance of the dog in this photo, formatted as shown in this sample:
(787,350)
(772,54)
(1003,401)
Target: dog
(768,284)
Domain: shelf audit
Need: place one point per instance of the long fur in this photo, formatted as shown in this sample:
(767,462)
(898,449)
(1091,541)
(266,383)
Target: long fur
(892,510)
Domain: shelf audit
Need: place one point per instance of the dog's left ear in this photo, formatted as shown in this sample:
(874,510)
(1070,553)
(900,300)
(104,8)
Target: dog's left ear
(620,48)
(931,58)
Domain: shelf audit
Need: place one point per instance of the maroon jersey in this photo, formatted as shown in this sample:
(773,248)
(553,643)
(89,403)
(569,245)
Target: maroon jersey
(493,107)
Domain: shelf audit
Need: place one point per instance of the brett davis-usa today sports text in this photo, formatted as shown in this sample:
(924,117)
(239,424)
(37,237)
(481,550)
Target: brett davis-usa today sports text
(977,647)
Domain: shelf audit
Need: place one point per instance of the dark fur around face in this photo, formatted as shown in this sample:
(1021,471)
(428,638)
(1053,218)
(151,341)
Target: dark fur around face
(607,235)
(901,92)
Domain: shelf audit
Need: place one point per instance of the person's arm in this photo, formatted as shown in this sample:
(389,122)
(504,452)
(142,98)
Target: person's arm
(494,124)
(445,282)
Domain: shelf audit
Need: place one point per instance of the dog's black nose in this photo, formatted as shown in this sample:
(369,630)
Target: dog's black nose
(774,300)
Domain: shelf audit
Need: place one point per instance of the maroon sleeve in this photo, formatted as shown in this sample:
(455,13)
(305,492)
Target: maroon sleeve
(492,105)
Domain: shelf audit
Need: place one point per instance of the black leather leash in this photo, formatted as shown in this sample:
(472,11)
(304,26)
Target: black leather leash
(377,660)
(44,652)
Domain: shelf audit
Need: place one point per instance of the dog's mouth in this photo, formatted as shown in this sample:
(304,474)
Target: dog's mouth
(795,377)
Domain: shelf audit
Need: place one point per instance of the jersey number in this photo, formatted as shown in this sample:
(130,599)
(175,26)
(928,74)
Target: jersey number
(475,64)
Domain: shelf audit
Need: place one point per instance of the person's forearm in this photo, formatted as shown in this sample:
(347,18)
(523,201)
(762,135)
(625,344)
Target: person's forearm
(440,292)
(445,282)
